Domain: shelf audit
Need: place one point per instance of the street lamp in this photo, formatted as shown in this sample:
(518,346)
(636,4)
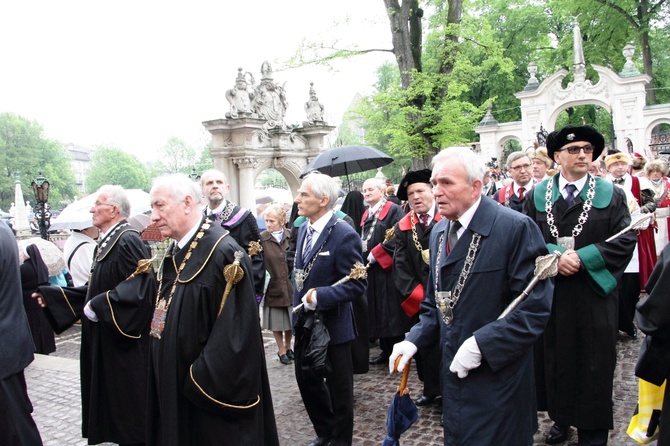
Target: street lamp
(194,175)
(42,210)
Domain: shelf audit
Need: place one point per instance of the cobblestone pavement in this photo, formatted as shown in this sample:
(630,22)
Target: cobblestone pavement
(53,385)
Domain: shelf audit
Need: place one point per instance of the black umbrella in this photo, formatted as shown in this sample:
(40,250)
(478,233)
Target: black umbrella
(314,337)
(344,160)
(402,411)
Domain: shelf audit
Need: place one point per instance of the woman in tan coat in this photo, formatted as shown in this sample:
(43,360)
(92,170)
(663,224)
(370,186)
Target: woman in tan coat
(277,307)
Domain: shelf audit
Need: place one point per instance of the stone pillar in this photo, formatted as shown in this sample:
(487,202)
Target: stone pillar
(246,189)
(20,213)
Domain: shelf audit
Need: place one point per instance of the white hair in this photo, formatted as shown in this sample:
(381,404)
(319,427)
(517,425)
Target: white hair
(473,163)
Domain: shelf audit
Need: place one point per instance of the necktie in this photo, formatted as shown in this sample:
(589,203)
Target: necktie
(570,189)
(452,238)
(424,220)
(308,245)
(521,192)
(619,180)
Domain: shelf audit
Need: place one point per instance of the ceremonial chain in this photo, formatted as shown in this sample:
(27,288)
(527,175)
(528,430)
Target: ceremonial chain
(446,301)
(162,306)
(372,228)
(224,215)
(583,217)
(659,189)
(101,246)
(425,253)
(300,275)
(508,194)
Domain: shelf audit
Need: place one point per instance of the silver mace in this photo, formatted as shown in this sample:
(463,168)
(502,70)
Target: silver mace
(635,223)
(359,271)
(545,267)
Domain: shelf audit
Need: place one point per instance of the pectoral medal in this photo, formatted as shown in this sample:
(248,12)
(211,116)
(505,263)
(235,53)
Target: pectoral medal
(158,321)
(566,242)
(443,300)
(299,276)
(425,255)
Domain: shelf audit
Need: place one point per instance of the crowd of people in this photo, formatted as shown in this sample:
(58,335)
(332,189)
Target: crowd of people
(443,272)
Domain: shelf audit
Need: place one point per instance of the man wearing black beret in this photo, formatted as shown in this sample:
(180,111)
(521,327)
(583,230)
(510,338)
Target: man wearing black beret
(575,360)
(410,268)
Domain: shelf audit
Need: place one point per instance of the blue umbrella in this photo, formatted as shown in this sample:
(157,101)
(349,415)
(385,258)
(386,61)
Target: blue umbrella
(402,411)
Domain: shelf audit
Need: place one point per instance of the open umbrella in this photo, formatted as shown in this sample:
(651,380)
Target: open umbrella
(402,411)
(78,216)
(51,254)
(344,160)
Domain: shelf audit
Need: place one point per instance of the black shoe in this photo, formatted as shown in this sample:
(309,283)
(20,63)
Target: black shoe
(320,441)
(284,359)
(290,354)
(557,434)
(633,333)
(379,360)
(425,400)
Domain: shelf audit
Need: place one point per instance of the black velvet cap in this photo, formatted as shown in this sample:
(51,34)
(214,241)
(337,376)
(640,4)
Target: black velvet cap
(568,134)
(413,176)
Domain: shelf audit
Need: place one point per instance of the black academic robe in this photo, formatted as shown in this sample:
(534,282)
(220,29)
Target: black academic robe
(33,274)
(386,318)
(579,343)
(114,350)
(242,226)
(208,382)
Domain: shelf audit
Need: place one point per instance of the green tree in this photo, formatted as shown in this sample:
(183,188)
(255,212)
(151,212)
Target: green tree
(176,156)
(23,150)
(114,166)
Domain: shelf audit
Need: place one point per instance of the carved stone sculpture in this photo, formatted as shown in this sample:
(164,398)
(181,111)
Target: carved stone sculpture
(239,97)
(313,108)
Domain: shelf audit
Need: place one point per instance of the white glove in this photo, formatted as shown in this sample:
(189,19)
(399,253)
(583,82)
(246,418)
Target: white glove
(405,349)
(309,300)
(467,357)
(371,259)
(90,314)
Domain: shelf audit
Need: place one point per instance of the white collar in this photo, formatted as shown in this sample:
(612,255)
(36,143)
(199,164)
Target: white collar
(375,208)
(466,218)
(219,208)
(526,188)
(321,223)
(579,184)
(189,235)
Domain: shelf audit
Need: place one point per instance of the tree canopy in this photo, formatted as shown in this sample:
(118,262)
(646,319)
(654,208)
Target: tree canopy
(24,151)
(114,166)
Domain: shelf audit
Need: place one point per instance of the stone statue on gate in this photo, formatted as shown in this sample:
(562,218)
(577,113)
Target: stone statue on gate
(313,108)
(269,101)
(239,97)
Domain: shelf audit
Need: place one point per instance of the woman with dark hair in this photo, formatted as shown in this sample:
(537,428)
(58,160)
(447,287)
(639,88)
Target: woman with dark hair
(34,273)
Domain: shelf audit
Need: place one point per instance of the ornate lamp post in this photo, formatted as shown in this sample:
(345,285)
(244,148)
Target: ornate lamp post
(194,175)
(42,210)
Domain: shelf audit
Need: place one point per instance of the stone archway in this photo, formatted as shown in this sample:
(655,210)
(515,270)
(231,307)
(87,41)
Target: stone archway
(254,137)
(622,94)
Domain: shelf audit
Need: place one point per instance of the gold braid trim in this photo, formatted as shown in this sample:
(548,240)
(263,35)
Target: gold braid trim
(258,398)
(67,301)
(111,310)
(112,243)
(203,263)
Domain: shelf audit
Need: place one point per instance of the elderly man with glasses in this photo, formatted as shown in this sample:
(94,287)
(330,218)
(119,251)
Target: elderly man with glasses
(575,360)
(520,168)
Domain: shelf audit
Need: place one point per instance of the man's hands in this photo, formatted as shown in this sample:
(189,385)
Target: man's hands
(405,349)
(569,263)
(309,300)
(90,314)
(40,299)
(467,357)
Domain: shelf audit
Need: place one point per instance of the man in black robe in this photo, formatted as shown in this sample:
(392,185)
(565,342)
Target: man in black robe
(208,382)
(577,213)
(16,424)
(387,320)
(239,222)
(115,310)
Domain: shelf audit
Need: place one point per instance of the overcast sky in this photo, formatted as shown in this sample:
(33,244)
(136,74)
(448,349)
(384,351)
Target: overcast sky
(131,74)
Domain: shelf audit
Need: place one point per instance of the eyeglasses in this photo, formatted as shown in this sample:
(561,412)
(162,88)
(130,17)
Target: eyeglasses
(518,168)
(574,150)
(98,204)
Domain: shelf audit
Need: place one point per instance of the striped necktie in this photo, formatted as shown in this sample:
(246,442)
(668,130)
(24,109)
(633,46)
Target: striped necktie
(308,245)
